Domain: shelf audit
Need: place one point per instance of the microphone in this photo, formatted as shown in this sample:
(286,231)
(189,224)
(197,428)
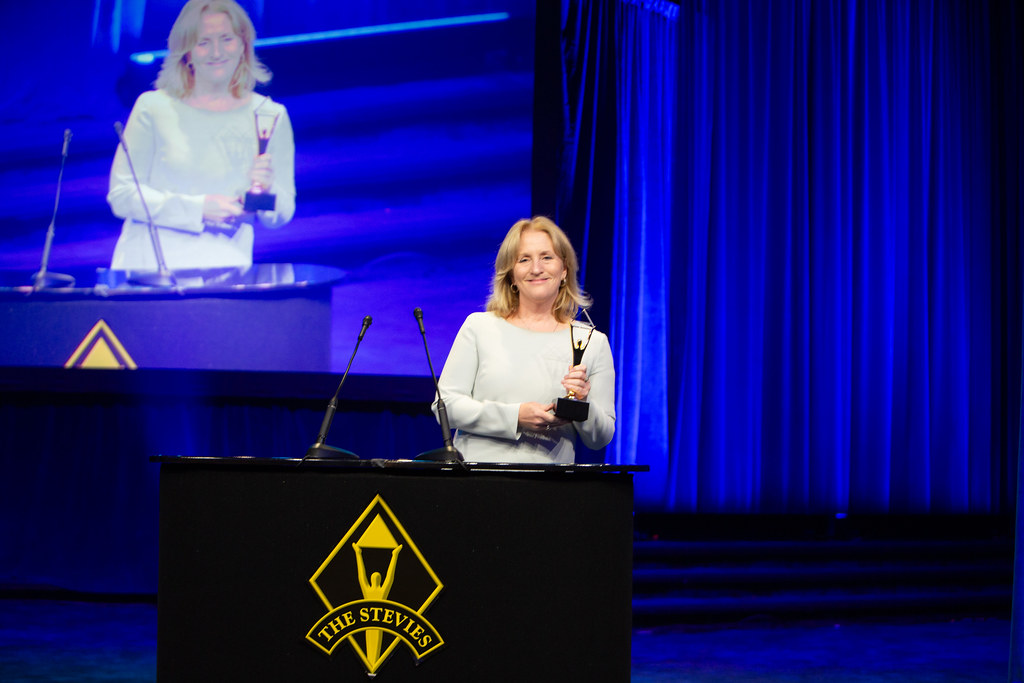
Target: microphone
(448,453)
(42,278)
(163,276)
(319,450)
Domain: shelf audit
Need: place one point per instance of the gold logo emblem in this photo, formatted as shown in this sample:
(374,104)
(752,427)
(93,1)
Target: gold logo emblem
(376,585)
(100,349)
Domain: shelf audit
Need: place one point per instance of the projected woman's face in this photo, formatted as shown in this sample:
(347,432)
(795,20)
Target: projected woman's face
(217,52)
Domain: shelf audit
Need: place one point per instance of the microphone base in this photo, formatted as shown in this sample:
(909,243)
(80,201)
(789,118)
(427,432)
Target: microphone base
(445,454)
(151,279)
(321,451)
(49,280)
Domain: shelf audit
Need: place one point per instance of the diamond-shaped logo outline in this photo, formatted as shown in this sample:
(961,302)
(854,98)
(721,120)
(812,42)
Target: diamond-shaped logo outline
(343,543)
(372,508)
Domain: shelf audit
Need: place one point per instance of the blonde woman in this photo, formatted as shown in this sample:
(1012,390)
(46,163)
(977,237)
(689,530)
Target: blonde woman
(507,365)
(193,144)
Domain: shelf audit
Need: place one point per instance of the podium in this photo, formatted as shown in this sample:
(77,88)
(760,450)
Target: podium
(269,317)
(283,570)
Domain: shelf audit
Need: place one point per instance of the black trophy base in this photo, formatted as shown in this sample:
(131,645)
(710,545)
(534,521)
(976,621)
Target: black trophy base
(321,451)
(572,410)
(259,201)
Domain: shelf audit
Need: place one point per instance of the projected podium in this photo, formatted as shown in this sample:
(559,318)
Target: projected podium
(275,570)
(267,317)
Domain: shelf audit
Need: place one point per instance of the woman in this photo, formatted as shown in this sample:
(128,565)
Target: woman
(507,366)
(194,146)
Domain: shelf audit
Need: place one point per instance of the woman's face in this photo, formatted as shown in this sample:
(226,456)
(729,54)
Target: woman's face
(538,270)
(217,52)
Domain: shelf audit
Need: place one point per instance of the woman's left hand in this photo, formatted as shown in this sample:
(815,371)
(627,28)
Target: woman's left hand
(261,171)
(576,381)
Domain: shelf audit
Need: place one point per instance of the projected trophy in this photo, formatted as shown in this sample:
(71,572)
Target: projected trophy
(569,407)
(258,198)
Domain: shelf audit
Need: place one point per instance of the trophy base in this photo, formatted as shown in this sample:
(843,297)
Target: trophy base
(572,410)
(259,201)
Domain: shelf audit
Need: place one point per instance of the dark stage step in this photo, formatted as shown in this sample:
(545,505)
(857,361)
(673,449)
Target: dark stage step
(810,576)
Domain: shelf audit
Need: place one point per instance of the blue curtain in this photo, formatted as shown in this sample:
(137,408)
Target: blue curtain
(807,211)
(640,285)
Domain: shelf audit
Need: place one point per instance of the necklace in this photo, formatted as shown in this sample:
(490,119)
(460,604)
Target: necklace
(535,326)
(216,103)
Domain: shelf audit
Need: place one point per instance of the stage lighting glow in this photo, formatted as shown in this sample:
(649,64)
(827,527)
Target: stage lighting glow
(355,32)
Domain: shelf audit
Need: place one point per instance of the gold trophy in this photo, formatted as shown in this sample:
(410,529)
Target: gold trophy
(258,198)
(569,407)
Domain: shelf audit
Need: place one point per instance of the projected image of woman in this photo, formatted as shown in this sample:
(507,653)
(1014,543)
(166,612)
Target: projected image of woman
(507,365)
(193,144)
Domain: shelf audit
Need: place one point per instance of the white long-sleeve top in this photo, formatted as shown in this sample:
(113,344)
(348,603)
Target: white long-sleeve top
(494,366)
(181,154)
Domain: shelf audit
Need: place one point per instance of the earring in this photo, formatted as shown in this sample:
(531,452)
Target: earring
(514,288)
(562,283)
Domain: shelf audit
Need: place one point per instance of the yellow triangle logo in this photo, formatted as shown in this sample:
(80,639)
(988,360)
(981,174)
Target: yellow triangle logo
(101,349)
(377,535)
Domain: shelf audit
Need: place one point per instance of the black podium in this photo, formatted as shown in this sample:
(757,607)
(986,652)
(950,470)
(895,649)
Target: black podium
(279,570)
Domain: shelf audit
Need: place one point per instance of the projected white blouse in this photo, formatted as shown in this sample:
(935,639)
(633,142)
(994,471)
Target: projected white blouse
(181,154)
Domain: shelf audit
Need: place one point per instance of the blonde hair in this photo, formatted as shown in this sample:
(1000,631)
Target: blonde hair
(504,301)
(176,76)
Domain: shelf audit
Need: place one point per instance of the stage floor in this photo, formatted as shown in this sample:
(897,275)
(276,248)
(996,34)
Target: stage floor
(97,641)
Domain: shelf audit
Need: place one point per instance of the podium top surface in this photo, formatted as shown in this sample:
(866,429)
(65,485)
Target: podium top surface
(383,464)
(260,278)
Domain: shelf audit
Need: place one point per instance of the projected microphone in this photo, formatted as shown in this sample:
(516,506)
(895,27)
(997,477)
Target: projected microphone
(43,279)
(448,453)
(163,276)
(319,450)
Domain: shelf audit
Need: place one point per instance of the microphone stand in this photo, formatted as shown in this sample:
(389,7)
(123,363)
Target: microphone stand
(447,453)
(320,450)
(43,279)
(162,277)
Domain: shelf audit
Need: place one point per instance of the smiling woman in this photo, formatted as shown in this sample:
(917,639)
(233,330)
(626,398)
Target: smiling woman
(194,141)
(507,365)
(215,57)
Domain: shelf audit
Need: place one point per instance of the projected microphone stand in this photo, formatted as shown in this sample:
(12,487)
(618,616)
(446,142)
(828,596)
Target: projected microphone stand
(43,279)
(163,276)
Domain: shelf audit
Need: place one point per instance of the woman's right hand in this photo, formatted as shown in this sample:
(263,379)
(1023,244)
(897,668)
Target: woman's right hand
(537,417)
(262,173)
(217,208)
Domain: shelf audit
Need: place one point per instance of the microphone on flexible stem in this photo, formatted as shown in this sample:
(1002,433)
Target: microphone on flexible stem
(162,277)
(43,279)
(448,453)
(319,450)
